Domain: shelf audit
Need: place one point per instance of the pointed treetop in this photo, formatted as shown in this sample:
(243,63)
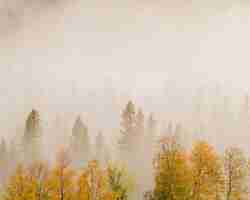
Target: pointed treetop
(32,122)
(78,127)
(130,107)
(99,138)
(3,147)
(151,120)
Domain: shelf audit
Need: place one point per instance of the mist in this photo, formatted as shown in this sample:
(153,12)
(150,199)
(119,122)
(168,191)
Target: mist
(184,62)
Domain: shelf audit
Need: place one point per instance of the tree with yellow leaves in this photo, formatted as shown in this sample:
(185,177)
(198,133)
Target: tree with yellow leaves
(61,181)
(119,182)
(38,174)
(172,180)
(236,167)
(207,172)
(19,186)
(92,184)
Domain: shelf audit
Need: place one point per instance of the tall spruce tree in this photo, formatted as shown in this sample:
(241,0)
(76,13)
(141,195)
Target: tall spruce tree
(128,130)
(100,149)
(80,142)
(140,123)
(151,131)
(32,137)
(3,161)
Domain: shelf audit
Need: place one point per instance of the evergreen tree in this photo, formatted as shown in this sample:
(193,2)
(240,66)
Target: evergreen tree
(3,152)
(3,161)
(140,123)
(150,132)
(80,142)
(170,129)
(32,137)
(128,129)
(13,156)
(100,149)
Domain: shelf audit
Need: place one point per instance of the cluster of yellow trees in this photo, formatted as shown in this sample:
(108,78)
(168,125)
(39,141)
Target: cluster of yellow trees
(180,174)
(40,182)
(200,174)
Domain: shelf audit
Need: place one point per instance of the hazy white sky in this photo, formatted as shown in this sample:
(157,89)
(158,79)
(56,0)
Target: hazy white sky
(140,44)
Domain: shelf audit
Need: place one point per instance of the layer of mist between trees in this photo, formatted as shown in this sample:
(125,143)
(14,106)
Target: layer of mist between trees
(145,162)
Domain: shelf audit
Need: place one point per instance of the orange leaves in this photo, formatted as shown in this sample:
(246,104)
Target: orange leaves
(207,171)
(183,175)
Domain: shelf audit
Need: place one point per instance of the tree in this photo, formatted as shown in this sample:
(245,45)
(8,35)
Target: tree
(61,180)
(119,182)
(3,161)
(83,190)
(172,179)
(38,174)
(92,183)
(207,173)
(80,142)
(19,186)
(128,130)
(150,133)
(236,167)
(151,125)
(32,137)
(140,123)
(100,149)
(170,130)
(14,156)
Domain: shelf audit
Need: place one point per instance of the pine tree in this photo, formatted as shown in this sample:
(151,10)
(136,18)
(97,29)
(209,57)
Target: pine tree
(3,161)
(13,155)
(32,137)
(80,142)
(100,149)
(150,132)
(140,126)
(3,152)
(128,129)
(170,129)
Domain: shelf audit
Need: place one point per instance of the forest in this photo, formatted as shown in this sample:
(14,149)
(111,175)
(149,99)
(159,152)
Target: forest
(145,165)
(124,100)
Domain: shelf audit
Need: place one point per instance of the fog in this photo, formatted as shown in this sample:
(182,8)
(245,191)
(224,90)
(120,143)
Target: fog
(71,58)
(184,61)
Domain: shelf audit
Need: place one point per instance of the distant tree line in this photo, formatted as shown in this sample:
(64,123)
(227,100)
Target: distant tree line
(148,165)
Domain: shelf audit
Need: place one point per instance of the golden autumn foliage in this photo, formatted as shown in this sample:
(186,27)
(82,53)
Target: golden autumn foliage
(199,174)
(207,172)
(61,181)
(236,166)
(19,187)
(172,172)
(92,183)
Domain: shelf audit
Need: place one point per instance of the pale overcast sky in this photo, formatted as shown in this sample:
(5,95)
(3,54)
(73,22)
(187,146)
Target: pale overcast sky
(139,44)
